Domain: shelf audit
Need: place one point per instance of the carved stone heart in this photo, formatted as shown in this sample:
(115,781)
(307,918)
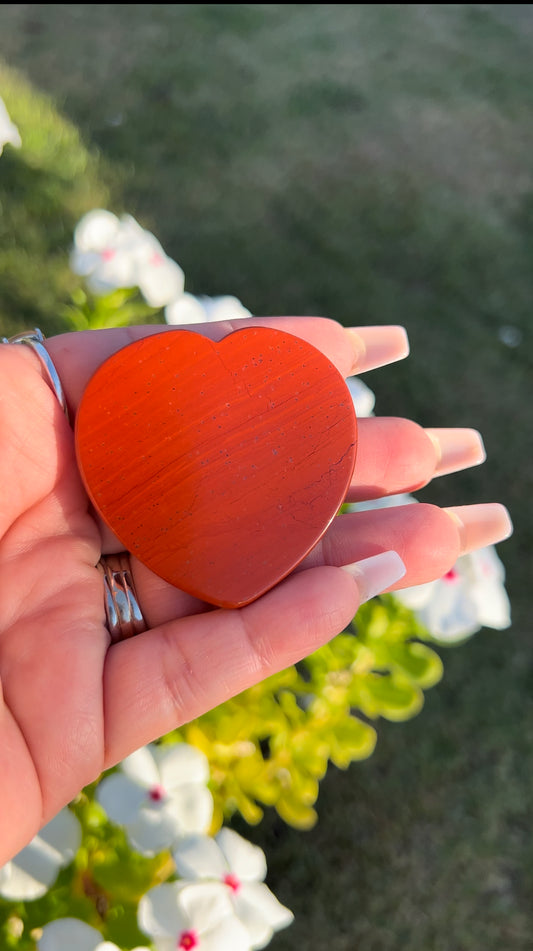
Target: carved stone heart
(219,465)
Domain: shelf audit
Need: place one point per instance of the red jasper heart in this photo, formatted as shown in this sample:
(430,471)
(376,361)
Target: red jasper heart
(219,465)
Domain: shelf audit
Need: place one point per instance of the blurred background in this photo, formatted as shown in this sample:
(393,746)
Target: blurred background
(372,163)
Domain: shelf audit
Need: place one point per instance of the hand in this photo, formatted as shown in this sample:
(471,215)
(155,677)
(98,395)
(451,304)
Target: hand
(71,704)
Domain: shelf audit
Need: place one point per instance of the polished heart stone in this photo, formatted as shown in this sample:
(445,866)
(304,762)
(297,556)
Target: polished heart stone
(219,465)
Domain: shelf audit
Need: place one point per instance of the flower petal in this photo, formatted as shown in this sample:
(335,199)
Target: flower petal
(65,934)
(199,856)
(260,912)
(226,307)
(246,860)
(111,273)
(164,944)
(186,309)
(8,131)
(63,833)
(110,946)
(362,396)
(96,230)
(181,764)
(161,282)
(29,875)
(121,798)
(228,935)
(385,502)
(417,596)
(193,808)
(84,262)
(493,606)
(205,904)
(141,766)
(488,590)
(154,829)
(451,614)
(133,234)
(159,915)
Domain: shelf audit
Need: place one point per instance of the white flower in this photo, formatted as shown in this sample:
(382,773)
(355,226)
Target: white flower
(241,867)
(189,309)
(470,596)
(383,502)
(71,934)
(363,398)
(31,873)
(9,134)
(183,917)
(159,794)
(113,252)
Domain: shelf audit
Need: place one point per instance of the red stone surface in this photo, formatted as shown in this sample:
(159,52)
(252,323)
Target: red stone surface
(219,465)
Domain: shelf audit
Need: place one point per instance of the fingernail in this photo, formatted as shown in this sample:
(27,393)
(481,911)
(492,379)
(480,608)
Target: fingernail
(374,575)
(456,449)
(377,346)
(481,525)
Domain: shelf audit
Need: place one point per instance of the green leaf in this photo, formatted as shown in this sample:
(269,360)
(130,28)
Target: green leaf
(351,739)
(394,696)
(419,662)
(295,813)
(127,875)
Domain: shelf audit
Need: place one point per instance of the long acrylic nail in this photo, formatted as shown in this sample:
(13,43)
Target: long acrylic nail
(377,346)
(480,525)
(456,449)
(377,573)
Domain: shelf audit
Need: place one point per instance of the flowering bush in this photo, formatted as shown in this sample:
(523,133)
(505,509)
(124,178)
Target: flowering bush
(143,857)
(162,807)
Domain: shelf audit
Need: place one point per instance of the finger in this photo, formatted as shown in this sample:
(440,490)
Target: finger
(397,455)
(161,601)
(37,457)
(394,456)
(172,674)
(78,355)
(428,539)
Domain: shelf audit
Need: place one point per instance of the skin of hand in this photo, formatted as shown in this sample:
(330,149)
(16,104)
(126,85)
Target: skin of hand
(71,704)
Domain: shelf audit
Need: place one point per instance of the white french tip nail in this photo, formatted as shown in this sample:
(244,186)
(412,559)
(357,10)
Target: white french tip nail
(374,575)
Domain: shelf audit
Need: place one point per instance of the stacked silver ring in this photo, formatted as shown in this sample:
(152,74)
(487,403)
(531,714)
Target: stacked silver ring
(123,613)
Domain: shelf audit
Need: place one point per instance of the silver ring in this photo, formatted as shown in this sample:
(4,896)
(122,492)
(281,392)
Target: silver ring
(35,340)
(123,613)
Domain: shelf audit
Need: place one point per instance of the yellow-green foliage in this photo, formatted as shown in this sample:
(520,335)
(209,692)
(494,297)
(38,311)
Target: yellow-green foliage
(271,745)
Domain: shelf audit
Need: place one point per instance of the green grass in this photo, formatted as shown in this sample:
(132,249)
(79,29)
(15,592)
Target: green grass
(372,163)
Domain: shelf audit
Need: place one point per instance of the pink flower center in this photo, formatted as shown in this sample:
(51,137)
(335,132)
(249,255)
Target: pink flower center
(232,882)
(187,940)
(156,259)
(451,575)
(108,254)
(157,793)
